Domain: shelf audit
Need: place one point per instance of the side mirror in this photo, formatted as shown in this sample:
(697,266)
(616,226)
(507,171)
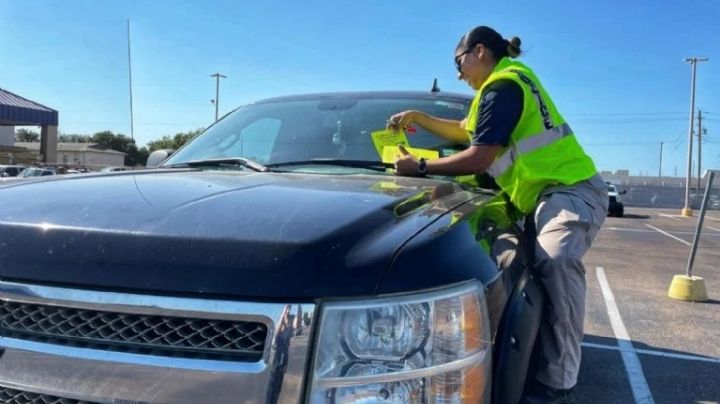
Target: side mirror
(157,157)
(3,175)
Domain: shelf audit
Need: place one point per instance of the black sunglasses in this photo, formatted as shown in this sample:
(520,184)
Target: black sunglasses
(458,57)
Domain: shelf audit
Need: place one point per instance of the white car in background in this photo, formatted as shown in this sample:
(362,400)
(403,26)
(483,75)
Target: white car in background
(615,208)
(11,170)
(36,172)
(29,173)
(112,169)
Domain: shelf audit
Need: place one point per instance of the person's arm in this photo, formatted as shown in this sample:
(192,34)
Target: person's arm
(499,112)
(473,160)
(447,129)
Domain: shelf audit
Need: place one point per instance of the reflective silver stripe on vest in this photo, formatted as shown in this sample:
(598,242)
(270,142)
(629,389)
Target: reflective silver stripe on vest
(544,138)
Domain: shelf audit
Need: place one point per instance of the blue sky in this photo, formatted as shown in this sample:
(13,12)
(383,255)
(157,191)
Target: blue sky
(613,68)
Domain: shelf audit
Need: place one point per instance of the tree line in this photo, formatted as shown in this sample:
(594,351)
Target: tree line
(117,141)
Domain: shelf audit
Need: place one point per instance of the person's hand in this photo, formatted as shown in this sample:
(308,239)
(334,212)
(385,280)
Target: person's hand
(401,120)
(406,164)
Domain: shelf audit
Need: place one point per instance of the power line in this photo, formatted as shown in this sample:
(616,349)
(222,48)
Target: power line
(627,120)
(678,141)
(624,143)
(623,113)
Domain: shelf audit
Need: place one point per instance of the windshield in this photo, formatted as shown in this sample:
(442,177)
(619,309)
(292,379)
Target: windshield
(31,172)
(287,131)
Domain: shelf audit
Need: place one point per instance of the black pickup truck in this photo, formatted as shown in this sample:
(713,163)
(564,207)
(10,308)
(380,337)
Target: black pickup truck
(273,259)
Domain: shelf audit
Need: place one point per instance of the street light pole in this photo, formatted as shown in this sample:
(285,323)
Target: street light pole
(217,92)
(132,119)
(699,136)
(132,134)
(686,211)
(660,170)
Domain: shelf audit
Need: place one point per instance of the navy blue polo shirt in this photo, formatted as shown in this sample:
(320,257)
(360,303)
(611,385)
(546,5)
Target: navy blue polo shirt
(499,112)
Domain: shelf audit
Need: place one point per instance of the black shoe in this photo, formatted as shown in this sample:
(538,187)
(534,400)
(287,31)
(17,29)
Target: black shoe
(538,393)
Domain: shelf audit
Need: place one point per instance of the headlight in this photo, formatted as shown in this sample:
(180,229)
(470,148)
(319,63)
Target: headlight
(425,348)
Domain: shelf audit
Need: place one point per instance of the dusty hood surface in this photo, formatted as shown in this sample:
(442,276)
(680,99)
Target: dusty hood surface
(264,235)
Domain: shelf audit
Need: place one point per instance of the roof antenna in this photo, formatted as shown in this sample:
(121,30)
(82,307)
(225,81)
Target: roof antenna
(435,88)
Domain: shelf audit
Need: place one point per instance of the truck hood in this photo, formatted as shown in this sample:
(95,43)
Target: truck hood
(225,233)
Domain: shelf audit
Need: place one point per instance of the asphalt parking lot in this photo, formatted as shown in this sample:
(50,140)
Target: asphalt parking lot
(641,346)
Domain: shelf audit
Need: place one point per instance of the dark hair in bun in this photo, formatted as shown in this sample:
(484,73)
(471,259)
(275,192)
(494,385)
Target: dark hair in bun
(499,46)
(513,47)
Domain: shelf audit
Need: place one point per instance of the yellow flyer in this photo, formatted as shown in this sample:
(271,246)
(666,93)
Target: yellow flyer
(388,137)
(391,153)
(386,186)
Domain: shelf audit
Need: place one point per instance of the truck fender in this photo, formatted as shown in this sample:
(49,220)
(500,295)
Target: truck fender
(515,339)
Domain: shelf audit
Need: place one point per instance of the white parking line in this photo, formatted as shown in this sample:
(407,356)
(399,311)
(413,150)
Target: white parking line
(653,352)
(712,228)
(626,229)
(678,218)
(673,217)
(690,233)
(639,385)
(668,234)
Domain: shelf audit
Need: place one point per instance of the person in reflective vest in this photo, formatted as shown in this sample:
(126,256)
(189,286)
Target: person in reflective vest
(518,136)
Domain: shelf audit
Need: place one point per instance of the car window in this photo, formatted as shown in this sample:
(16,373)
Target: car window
(28,172)
(35,172)
(255,141)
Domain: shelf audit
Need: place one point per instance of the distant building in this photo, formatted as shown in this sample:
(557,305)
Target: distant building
(90,155)
(20,111)
(7,135)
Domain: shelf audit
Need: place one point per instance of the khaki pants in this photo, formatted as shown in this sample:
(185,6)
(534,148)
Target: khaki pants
(567,220)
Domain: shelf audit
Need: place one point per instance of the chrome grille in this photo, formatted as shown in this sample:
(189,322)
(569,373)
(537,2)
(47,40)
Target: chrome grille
(134,333)
(12,396)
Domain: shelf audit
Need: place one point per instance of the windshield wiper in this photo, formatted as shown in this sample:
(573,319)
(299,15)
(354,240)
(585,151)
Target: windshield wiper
(368,164)
(234,161)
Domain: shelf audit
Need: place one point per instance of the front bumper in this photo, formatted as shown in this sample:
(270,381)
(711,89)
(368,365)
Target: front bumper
(98,375)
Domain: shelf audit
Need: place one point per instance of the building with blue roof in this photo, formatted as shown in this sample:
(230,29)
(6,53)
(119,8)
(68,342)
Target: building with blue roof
(19,111)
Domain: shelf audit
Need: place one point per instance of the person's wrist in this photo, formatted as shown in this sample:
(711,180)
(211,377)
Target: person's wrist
(415,116)
(422,166)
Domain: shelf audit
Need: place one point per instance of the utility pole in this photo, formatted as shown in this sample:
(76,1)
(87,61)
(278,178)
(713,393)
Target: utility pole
(132,119)
(216,101)
(686,211)
(132,129)
(660,170)
(699,133)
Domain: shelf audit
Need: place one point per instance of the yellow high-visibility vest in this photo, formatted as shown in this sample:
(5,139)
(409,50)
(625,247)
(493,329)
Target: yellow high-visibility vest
(542,150)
